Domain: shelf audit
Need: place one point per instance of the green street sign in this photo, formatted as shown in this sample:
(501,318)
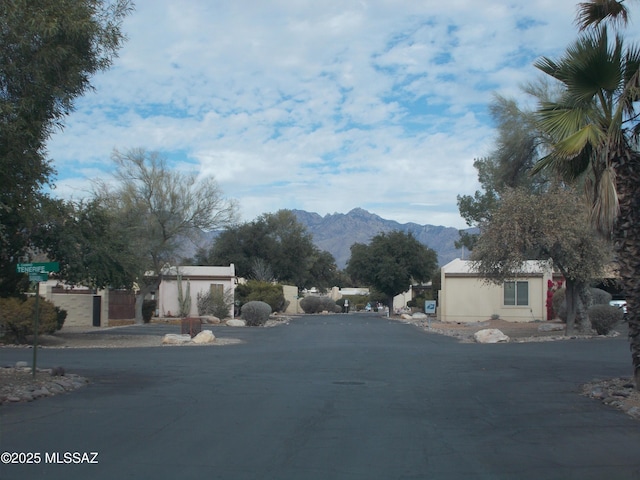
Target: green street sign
(39,267)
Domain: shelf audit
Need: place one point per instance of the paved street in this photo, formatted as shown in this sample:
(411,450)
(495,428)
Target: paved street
(354,397)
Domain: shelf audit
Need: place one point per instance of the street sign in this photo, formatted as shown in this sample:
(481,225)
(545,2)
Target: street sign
(430,307)
(38,277)
(38,272)
(38,267)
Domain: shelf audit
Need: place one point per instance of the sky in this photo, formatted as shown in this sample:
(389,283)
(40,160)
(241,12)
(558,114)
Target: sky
(322,106)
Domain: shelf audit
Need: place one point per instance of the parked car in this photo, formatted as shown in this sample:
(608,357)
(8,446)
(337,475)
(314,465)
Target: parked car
(621,303)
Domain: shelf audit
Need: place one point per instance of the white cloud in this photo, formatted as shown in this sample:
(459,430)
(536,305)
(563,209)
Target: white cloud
(324,106)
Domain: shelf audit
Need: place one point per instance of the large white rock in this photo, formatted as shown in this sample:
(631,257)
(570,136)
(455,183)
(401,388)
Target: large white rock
(419,315)
(176,339)
(205,336)
(210,319)
(234,322)
(490,335)
(406,316)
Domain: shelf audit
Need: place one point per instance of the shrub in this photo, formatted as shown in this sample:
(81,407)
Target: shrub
(604,318)
(148,309)
(17,318)
(418,301)
(598,297)
(315,304)
(256,290)
(215,303)
(255,313)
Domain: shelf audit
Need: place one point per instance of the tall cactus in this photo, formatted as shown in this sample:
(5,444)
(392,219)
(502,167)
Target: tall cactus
(184,301)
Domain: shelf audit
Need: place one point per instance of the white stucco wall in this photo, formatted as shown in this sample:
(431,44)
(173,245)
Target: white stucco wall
(467,298)
(200,280)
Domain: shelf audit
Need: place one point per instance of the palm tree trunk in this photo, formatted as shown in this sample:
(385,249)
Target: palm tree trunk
(627,246)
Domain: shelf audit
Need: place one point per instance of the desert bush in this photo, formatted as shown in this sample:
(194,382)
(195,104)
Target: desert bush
(315,304)
(255,313)
(604,318)
(17,318)
(148,309)
(215,303)
(598,297)
(256,290)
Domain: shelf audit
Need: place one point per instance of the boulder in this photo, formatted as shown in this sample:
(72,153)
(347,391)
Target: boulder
(176,339)
(234,322)
(490,335)
(210,319)
(406,316)
(205,336)
(419,316)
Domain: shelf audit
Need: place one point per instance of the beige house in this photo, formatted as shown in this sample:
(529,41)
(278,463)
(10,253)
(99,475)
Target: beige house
(200,279)
(466,297)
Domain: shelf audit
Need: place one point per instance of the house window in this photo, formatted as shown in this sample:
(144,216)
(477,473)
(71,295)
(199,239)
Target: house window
(216,289)
(516,293)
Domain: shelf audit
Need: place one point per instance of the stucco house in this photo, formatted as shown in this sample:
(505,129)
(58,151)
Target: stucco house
(467,297)
(201,279)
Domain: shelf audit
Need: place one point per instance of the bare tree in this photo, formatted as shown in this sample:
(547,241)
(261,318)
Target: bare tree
(158,209)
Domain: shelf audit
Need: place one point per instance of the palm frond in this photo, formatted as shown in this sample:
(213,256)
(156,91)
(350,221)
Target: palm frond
(567,168)
(592,64)
(631,92)
(561,120)
(591,14)
(571,146)
(606,206)
(548,66)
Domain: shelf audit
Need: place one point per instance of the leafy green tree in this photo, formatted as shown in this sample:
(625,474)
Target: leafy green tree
(156,210)
(509,165)
(275,243)
(83,238)
(594,130)
(268,292)
(553,226)
(49,50)
(391,262)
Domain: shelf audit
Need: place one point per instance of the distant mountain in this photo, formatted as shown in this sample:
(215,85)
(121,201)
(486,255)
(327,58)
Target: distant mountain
(336,232)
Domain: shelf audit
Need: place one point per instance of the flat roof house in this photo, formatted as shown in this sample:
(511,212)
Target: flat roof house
(466,297)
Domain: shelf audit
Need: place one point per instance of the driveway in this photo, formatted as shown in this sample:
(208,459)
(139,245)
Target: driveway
(354,397)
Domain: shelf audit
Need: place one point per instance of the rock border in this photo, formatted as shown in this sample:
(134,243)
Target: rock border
(23,387)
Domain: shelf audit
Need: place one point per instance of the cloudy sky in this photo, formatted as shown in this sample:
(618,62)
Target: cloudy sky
(317,105)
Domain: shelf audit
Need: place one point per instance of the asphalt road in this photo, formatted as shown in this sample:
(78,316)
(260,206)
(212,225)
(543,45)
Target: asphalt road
(354,397)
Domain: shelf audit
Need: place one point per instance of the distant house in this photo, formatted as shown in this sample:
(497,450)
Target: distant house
(466,297)
(200,279)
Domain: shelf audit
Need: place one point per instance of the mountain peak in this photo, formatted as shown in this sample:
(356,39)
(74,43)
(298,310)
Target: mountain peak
(337,232)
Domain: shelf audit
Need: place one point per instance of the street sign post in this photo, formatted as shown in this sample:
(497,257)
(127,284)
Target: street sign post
(429,309)
(38,272)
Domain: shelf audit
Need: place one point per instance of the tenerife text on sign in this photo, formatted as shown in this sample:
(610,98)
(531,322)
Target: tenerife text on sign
(41,267)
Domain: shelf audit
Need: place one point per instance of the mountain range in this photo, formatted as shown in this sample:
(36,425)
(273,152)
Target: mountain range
(335,233)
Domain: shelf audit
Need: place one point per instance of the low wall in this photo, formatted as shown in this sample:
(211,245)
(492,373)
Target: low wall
(79,306)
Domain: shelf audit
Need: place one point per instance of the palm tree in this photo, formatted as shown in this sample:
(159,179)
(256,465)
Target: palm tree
(594,12)
(594,128)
